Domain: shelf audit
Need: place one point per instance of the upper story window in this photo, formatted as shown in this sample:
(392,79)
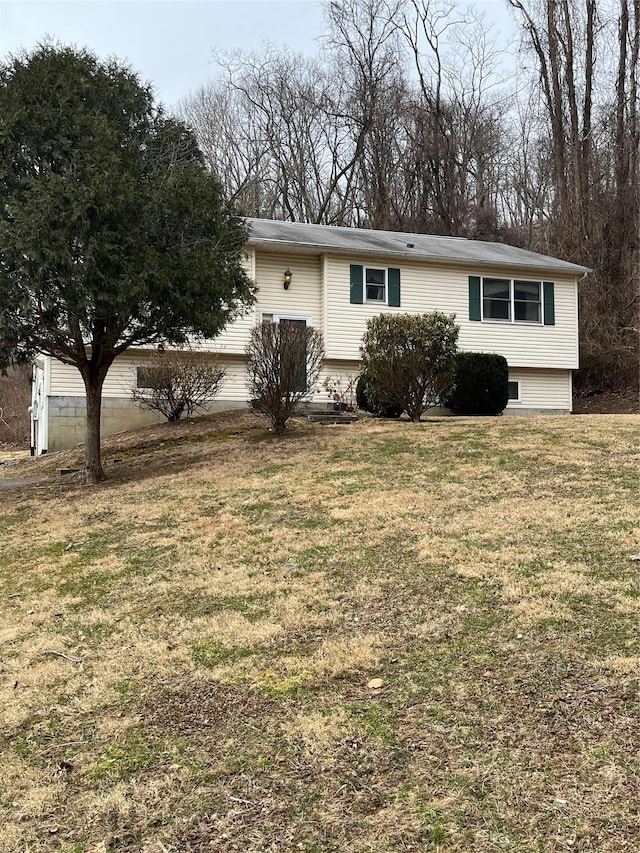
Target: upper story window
(527,305)
(375,285)
(511,300)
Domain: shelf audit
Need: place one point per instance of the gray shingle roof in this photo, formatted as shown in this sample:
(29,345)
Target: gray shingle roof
(299,237)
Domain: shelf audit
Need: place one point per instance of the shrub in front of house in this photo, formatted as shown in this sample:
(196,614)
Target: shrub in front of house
(409,359)
(481,384)
(177,382)
(284,361)
(366,399)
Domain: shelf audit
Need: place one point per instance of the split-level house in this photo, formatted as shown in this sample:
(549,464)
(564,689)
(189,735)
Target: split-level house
(506,300)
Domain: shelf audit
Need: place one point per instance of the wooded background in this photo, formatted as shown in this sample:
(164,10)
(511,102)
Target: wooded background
(15,399)
(414,116)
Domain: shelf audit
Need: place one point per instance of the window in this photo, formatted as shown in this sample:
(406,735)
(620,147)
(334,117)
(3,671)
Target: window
(526,301)
(496,298)
(511,299)
(147,377)
(375,286)
(514,391)
(375,282)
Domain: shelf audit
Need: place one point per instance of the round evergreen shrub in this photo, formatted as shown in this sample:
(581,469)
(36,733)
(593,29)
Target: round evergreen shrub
(481,384)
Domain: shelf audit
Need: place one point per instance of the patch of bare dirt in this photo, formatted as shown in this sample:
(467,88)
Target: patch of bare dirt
(138,449)
(608,403)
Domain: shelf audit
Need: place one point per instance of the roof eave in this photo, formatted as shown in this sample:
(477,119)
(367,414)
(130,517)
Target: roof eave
(321,248)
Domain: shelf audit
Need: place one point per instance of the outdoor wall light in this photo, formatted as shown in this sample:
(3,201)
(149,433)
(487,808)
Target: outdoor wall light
(288,275)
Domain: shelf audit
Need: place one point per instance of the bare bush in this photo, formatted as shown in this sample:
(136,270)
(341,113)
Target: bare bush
(178,382)
(285,360)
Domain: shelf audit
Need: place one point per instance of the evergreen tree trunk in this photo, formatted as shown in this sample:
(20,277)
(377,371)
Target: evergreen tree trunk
(92,471)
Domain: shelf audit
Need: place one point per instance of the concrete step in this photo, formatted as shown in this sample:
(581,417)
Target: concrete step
(331,418)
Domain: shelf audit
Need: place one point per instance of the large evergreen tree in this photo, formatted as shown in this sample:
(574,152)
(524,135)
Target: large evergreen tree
(112,231)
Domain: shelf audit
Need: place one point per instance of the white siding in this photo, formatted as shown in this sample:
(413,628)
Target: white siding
(304,294)
(427,288)
(233,339)
(66,380)
(542,389)
(234,388)
(303,298)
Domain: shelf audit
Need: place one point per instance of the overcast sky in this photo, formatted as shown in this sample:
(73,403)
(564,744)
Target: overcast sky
(170,42)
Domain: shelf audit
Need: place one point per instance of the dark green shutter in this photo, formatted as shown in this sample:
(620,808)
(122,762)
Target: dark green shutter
(474,297)
(549,304)
(356,284)
(393,278)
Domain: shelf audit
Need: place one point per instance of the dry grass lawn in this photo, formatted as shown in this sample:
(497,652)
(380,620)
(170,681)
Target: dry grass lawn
(188,652)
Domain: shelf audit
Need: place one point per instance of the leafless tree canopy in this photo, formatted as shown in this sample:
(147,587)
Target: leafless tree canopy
(404,122)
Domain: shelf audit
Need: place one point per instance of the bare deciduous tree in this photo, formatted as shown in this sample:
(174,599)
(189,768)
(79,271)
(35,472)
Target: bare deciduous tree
(15,396)
(594,210)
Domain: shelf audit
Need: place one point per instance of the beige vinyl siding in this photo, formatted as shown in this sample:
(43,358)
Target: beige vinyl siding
(66,380)
(345,324)
(233,339)
(324,296)
(427,288)
(304,294)
(525,344)
(234,387)
(343,374)
(542,389)
(304,298)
